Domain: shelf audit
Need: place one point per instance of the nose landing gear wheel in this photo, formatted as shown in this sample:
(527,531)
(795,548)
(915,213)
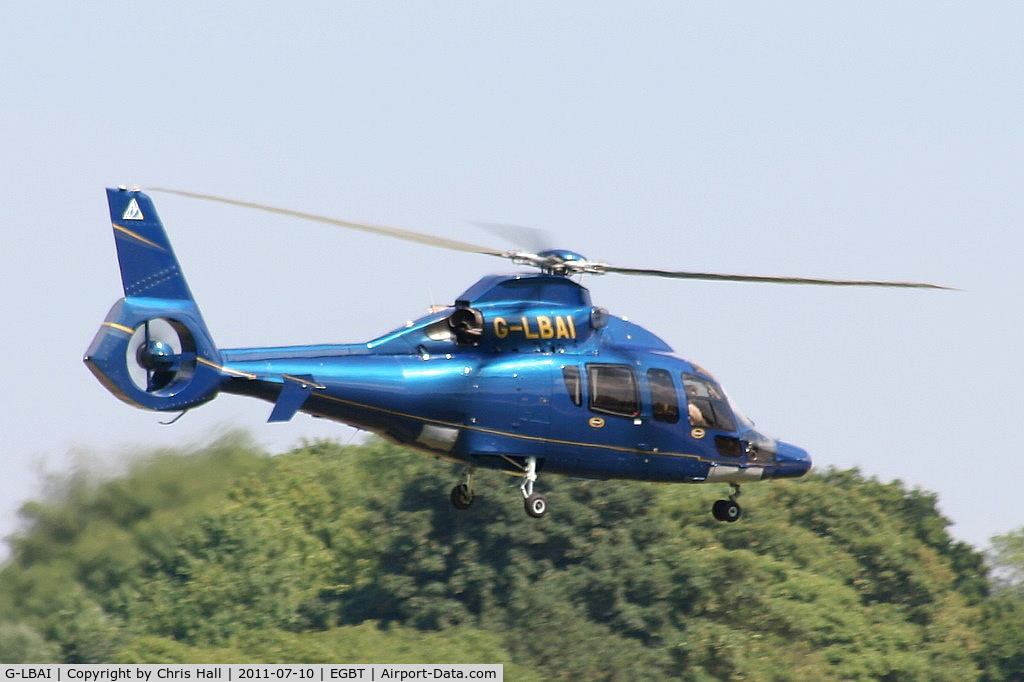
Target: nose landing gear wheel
(726,510)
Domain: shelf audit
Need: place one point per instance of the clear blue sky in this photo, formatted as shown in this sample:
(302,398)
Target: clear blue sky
(866,140)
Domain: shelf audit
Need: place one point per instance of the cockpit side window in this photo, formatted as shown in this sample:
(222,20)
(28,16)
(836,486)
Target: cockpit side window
(665,405)
(613,390)
(573,384)
(707,405)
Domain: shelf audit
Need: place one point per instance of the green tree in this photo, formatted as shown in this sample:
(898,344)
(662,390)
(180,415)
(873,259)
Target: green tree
(1002,656)
(332,553)
(1006,557)
(19,643)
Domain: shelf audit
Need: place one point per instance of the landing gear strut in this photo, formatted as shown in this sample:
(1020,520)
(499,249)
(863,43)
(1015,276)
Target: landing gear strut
(728,510)
(536,504)
(462,494)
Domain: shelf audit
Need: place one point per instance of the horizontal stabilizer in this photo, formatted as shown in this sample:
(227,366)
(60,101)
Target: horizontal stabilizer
(294,393)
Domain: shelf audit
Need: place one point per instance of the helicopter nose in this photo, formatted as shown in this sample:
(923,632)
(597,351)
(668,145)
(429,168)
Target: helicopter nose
(791,461)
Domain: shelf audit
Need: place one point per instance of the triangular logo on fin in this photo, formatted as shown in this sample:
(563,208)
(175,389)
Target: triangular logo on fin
(133,212)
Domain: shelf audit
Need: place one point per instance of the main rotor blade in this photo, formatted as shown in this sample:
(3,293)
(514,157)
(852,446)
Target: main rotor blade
(397,232)
(533,259)
(533,239)
(714,276)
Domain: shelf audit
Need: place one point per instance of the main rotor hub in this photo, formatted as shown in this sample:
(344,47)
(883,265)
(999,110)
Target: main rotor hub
(561,262)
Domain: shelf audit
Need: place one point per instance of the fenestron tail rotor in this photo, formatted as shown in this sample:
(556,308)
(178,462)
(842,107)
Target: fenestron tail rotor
(160,355)
(552,261)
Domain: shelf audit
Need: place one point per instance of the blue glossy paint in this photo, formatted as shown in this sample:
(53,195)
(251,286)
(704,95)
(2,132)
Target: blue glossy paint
(521,366)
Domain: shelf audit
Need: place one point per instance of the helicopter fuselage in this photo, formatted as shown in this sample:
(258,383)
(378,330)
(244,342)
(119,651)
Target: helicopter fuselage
(523,374)
(499,377)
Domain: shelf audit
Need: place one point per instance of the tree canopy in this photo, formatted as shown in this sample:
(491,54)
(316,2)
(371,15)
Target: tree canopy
(335,553)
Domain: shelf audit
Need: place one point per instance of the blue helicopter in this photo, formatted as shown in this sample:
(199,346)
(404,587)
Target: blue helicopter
(523,373)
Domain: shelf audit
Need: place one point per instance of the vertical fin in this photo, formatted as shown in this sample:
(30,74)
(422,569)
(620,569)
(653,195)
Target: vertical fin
(149,267)
(153,350)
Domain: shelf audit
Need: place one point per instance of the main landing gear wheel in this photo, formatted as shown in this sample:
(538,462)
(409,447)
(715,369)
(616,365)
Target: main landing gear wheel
(728,510)
(462,494)
(536,504)
(462,497)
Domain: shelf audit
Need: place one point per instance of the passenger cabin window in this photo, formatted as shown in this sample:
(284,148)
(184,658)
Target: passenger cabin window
(571,375)
(663,394)
(707,406)
(613,390)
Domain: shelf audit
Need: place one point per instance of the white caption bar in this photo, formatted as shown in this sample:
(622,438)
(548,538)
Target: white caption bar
(110,672)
